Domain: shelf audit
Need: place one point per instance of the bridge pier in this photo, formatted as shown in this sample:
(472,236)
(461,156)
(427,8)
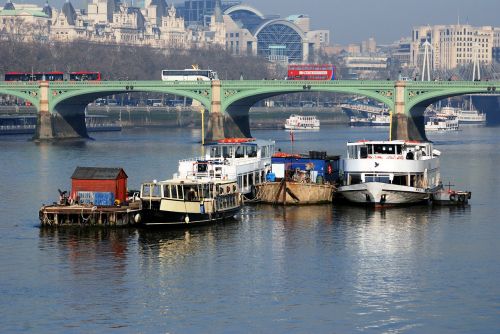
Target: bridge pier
(406,125)
(234,122)
(66,122)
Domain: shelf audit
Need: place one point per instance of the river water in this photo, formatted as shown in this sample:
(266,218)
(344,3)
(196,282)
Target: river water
(315,269)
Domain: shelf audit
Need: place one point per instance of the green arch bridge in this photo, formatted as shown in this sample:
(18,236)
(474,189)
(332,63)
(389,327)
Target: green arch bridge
(61,105)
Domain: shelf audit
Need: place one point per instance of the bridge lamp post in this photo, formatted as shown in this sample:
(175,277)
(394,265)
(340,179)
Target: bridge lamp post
(202,110)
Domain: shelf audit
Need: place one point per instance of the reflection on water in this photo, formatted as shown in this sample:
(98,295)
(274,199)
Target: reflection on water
(322,268)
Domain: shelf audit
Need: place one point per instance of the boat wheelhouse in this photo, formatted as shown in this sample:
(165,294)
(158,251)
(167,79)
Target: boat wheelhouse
(299,122)
(245,160)
(181,201)
(390,172)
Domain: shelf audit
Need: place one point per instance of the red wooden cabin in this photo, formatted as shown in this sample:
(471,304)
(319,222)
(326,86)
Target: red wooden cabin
(100,179)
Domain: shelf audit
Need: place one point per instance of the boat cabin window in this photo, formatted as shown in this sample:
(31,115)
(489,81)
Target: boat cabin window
(227,151)
(204,190)
(176,191)
(166,190)
(191,192)
(383,149)
(215,152)
(351,152)
(240,152)
(363,152)
(354,179)
(252,151)
(377,178)
(151,190)
(264,152)
(202,168)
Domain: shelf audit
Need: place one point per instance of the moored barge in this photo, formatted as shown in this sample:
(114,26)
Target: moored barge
(300,179)
(98,196)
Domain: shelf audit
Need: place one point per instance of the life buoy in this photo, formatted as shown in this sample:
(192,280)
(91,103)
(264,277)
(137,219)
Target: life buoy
(453,197)
(235,140)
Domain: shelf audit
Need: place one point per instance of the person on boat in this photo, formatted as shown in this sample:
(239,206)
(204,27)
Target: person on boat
(409,155)
(191,194)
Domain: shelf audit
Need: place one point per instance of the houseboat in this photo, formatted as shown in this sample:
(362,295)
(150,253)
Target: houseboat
(390,172)
(185,201)
(299,122)
(245,160)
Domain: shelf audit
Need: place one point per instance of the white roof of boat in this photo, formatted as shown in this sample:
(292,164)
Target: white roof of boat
(388,142)
(251,141)
(182,180)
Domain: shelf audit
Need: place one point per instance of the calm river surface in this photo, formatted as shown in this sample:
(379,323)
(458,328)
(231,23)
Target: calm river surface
(316,269)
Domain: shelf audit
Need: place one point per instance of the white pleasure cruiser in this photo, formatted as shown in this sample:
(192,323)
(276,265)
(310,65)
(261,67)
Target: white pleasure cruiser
(390,172)
(465,115)
(246,160)
(442,123)
(299,122)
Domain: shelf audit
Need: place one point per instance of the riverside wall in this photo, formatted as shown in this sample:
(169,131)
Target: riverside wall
(260,117)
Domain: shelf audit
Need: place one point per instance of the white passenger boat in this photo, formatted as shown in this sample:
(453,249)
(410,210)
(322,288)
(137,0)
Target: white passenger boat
(471,116)
(181,201)
(380,120)
(465,115)
(360,121)
(442,123)
(371,120)
(299,122)
(390,172)
(245,160)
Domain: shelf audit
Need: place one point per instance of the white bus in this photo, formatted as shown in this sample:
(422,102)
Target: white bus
(188,75)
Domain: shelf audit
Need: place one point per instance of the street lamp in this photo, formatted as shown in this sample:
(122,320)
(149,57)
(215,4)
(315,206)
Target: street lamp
(202,110)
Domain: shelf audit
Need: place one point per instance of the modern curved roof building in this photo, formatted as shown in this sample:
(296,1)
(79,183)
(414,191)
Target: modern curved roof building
(277,39)
(281,40)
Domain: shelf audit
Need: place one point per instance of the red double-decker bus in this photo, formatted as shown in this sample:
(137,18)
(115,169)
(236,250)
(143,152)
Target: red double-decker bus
(311,72)
(85,76)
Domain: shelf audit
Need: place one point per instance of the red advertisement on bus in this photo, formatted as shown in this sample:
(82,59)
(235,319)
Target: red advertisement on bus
(311,72)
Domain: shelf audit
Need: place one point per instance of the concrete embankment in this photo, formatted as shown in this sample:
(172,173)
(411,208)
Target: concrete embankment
(260,117)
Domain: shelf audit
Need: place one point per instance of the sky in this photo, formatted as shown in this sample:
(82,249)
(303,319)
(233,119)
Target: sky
(352,21)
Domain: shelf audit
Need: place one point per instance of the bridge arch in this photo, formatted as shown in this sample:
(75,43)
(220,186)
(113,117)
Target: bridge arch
(68,100)
(238,100)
